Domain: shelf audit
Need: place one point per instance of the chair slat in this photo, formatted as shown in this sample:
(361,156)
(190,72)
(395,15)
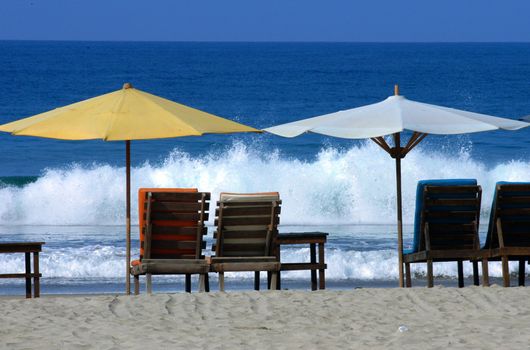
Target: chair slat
(180,197)
(447,202)
(175,245)
(248,211)
(514,212)
(242,253)
(507,188)
(177,230)
(248,220)
(244,234)
(451,214)
(444,227)
(170,216)
(176,206)
(226,204)
(450,190)
(506,200)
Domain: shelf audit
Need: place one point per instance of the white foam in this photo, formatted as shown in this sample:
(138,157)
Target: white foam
(356,185)
(106,262)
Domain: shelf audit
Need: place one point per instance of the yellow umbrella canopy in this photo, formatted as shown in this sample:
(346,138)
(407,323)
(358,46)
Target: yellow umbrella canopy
(127,114)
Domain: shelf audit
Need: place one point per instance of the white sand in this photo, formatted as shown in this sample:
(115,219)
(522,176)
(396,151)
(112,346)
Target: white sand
(473,317)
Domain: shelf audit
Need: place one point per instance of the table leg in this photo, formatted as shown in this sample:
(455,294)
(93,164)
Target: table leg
(28,278)
(36,279)
(279,278)
(460,274)
(256,280)
(313,261)
(188,283)
(321,271)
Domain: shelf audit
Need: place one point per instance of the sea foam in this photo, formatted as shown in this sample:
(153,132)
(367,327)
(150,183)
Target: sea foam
(97,262)
(338,186)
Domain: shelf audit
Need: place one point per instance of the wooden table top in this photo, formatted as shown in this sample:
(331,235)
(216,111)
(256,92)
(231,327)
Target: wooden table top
(21,247)
(301,237)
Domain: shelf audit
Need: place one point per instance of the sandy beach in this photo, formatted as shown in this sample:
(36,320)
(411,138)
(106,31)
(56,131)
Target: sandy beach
(416,318)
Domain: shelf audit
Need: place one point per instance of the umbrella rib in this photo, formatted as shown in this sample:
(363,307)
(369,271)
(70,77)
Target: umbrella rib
(380,141)
(410,145)
(413,138)
(157,105)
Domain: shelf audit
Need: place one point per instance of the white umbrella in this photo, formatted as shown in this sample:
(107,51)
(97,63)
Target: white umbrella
(391,117)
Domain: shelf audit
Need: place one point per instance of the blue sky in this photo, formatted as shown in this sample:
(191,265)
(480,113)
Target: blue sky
(270,20)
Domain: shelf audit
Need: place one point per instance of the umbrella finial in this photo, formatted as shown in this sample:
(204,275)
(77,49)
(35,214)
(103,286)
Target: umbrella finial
(127,86)
(396,90)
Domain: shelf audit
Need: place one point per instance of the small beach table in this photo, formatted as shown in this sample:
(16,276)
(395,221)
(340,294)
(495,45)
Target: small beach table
(313,239)
(27,248)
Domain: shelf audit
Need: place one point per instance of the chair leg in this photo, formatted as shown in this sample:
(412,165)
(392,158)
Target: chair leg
(148,283)
(505,271)
(256,280)
(201,282)
(485,273)
(476,280)
(460,274)
(408,279)
(136,284)
(521,272)
(207,283)
(274,280)
(188,283)
(222,281)
(430,278)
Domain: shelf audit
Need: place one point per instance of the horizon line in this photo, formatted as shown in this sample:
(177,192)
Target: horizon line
(265,41)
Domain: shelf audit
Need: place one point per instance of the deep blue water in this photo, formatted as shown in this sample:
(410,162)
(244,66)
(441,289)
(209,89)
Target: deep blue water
(71,194)
(260,84)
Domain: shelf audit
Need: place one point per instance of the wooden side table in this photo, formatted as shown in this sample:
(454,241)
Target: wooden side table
(27,248)
(313,239)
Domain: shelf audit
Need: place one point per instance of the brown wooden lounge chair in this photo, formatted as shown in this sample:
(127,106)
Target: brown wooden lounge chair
(448,213)
(171,235)
(508,236)
(247,226)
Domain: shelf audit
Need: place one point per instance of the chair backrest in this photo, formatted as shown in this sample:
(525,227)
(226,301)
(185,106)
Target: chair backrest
(451,210)
(511,204)
(172,223)
(247,224)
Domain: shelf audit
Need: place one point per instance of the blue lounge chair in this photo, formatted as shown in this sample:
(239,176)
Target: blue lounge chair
(508,236)
(446,227)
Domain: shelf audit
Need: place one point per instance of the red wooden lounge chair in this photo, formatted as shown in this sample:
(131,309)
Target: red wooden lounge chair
(171,235)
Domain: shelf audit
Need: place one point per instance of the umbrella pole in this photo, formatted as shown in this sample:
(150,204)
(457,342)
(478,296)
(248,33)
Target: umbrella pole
(128,216)
(398,156)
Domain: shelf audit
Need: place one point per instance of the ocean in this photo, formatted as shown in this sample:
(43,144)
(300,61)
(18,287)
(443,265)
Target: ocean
(71,194)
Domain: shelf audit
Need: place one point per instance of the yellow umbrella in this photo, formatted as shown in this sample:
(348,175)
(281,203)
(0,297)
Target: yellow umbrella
(124,115)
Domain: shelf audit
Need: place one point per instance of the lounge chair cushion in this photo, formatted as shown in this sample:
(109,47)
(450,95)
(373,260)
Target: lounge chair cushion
(249,197)
(261,263)
(419,205)
(170,266)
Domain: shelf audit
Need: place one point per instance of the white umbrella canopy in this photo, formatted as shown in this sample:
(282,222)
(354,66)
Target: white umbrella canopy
(391,117)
